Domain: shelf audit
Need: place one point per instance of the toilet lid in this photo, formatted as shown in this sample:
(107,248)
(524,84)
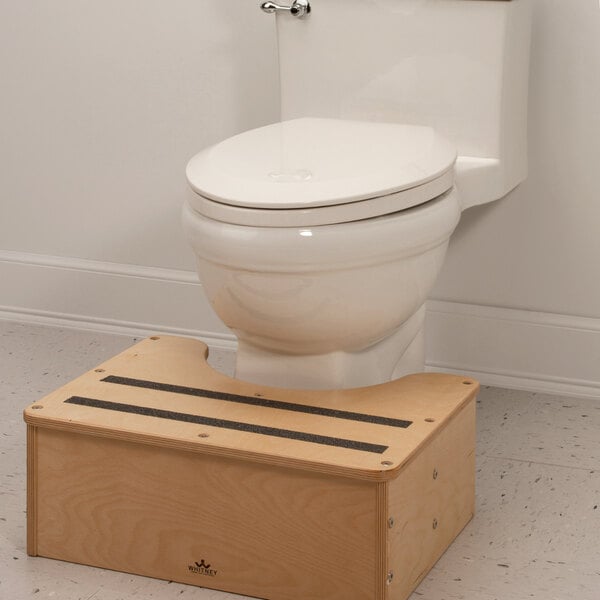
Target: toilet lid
(304,166)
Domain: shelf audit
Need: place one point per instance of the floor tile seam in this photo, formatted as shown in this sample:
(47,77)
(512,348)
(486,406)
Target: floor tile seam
(537,462)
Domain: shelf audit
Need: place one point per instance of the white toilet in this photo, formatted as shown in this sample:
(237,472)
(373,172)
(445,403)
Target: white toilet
(319,238)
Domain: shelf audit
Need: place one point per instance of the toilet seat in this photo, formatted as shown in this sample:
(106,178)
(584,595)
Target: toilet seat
(308,172)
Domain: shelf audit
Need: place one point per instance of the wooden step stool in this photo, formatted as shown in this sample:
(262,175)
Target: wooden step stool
(155,464)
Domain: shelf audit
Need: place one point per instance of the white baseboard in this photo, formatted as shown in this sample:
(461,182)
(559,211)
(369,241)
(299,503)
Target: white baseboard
(502,347)
(535,351)
(113,298)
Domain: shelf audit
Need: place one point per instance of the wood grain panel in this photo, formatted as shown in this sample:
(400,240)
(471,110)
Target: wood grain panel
(265,531)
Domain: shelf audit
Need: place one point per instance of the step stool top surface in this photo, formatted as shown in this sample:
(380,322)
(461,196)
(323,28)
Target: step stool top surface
(161,391)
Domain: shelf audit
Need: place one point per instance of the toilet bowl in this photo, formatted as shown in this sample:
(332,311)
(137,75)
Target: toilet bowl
(317,243)
(319,238)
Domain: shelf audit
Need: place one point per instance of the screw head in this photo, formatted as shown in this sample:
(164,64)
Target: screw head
(435,473)
(390,577)
(435,523)
(391,522)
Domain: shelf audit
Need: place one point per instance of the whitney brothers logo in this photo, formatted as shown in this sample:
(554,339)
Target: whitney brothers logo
(202,569)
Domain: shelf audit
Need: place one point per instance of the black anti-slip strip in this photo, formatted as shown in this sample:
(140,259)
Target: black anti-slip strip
(235,425)
(254,401)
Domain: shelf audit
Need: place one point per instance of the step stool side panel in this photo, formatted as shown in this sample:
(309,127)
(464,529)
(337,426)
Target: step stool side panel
(431,501)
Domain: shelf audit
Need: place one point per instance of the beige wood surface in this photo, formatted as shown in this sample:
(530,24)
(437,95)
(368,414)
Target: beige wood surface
(265,531)
(427,400)
(431,502)
(32,494)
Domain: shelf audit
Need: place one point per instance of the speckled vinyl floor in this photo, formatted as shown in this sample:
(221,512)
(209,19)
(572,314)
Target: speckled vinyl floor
(536,533)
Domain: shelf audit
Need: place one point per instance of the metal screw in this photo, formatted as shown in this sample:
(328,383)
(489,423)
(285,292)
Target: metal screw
(203,435)
(98,370)
(435,473)
(387,463)
(435,523)
(37,406)
(391,522)
(390,577)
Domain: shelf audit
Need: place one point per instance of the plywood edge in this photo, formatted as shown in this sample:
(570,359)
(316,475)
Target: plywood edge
(32,490)
(382,572)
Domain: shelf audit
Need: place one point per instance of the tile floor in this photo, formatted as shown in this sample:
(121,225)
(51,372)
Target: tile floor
(536,533)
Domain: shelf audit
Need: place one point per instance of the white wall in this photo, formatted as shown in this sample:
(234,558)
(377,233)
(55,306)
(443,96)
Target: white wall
(101,106)
(102,103)
(537,250)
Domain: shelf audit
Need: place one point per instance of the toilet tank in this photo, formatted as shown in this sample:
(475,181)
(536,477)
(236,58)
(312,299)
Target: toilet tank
(460,66)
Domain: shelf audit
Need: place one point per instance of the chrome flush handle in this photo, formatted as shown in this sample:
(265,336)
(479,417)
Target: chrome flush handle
(299,8)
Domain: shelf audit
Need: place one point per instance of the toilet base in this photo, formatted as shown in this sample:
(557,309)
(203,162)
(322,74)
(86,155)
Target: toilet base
(155,464)
(401,353)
